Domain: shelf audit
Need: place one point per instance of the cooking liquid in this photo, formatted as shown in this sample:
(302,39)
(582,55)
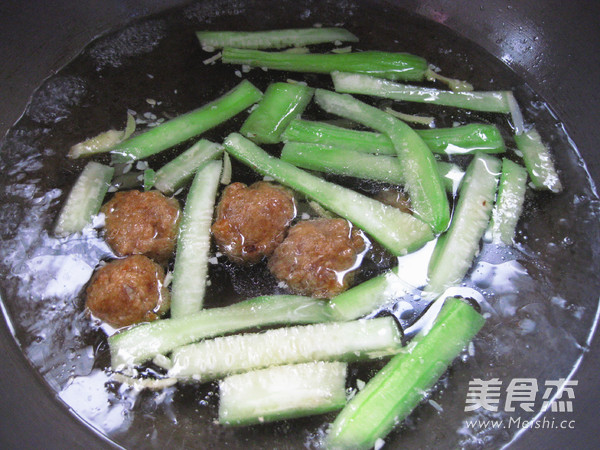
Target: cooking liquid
(540,296)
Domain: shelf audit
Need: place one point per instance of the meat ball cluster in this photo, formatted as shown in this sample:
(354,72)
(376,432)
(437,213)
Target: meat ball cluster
(128,291)
(318,257)
(142,227)
(252,220)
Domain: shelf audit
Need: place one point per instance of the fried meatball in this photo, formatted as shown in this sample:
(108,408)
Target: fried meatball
(142,223)
(252,220)
(396,198)
(128,291)
(318,257)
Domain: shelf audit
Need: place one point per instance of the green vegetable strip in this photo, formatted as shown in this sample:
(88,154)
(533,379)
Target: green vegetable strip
(515,113)
(455,251)
(509,203)
(84,200)
(193,243)
(282,392)
(347,162)
(454,84)
(143,342)
(227,169)
(390,396)
(274,38)
(411,118)
(490,101)
(322,133)
(367,296)
(188,125)
(103,142)
(343,162)
(395,66)
(538,161)
(177,172)
(335,341)
(465,139)
(399,232)
(280,104)
(149,179)
(422,178)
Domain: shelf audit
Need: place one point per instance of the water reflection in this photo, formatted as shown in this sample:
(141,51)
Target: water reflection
(90,399)
(538,301)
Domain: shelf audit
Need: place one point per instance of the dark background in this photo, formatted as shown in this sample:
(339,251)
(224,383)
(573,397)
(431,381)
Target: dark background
(38,37)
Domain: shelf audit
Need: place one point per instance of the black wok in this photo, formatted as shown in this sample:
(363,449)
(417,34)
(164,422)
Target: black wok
(37,38)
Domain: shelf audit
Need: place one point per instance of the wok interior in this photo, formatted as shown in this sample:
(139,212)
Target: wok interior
(157,57)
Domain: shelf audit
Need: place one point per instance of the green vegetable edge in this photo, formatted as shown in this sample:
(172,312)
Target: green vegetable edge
(390,396)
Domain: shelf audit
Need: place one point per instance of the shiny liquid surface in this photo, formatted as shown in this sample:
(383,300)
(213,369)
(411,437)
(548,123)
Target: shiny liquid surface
(540,297)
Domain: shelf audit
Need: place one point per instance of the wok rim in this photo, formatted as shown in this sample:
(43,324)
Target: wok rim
(35,429)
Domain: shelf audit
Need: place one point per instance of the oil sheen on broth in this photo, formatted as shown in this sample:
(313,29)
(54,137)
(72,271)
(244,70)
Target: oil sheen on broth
(539,296)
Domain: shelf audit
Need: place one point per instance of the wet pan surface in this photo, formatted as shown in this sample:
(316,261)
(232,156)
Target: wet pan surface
(541,297)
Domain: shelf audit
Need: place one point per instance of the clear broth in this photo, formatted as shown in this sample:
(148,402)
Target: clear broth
(540,297)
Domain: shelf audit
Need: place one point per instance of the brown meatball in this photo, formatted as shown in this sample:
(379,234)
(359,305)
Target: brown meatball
(252,221)
(142,223)
(396,198)
(318,257)
(128,291)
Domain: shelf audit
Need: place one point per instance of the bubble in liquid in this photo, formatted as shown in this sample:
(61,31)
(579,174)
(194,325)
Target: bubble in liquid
(54,100)
(132,41)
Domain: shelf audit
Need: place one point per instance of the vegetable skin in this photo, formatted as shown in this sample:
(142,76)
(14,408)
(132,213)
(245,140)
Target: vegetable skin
(455,251)
(84,200)
(193,244)
(294,37)
(490,101)
(333,341)
(422,179)
(391,395)
(394,66)
(282,392)
(399,232)
(280,104)
(143,342)
(187,125)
